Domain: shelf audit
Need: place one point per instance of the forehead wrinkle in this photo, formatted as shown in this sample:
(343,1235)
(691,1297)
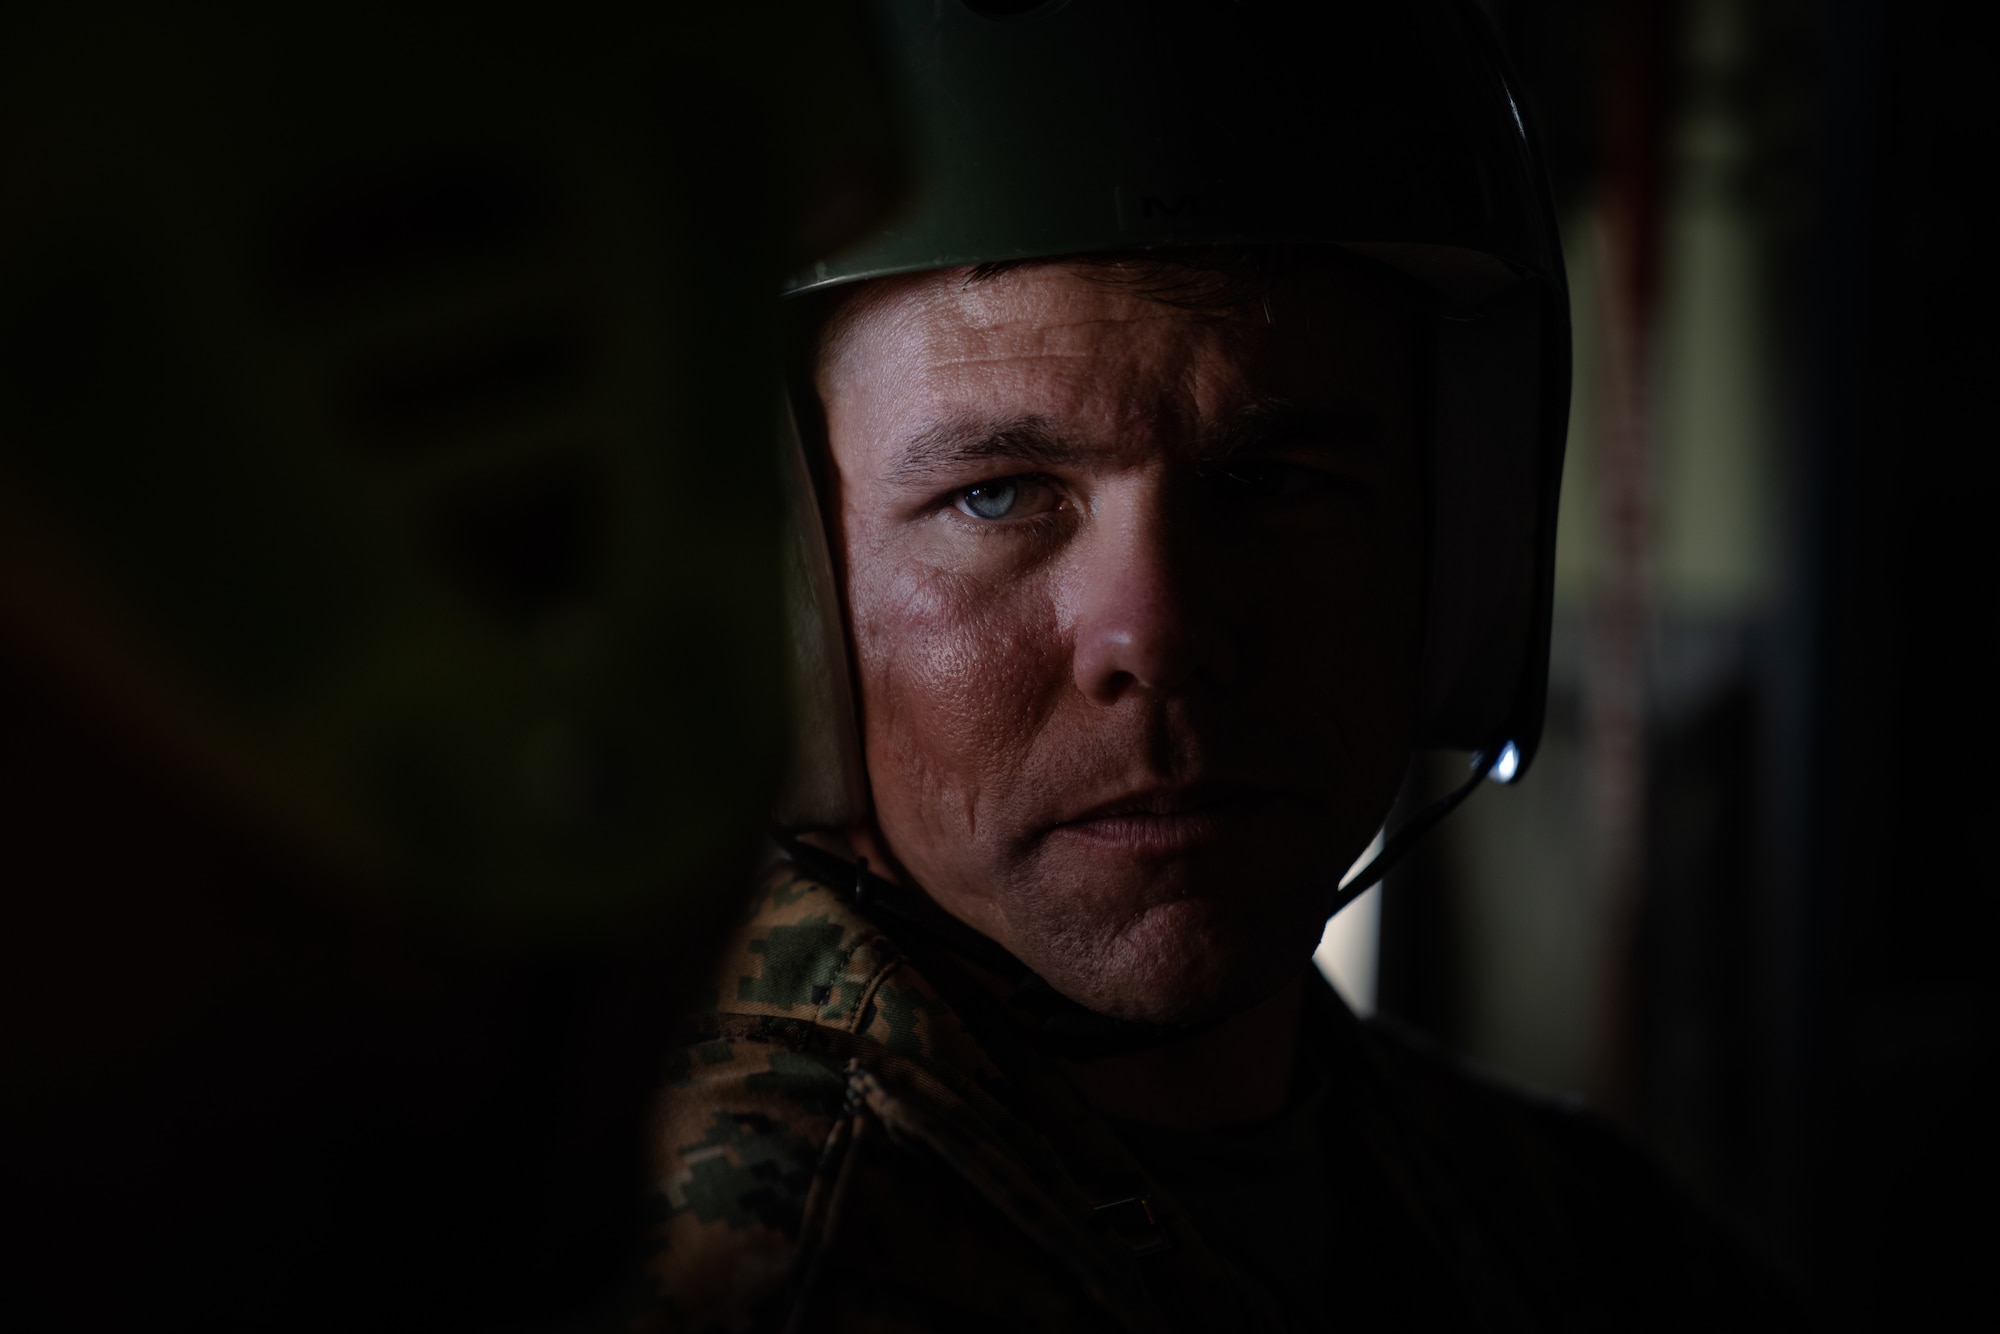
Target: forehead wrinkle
(1015,357)
(935,312)
(1048,327)
(1028,341)
(1056,348)
(1049,318)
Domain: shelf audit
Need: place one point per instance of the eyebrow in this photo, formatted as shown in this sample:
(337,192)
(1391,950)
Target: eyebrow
(951,446)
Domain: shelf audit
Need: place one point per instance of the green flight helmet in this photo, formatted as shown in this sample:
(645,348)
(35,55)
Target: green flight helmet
(1394,131)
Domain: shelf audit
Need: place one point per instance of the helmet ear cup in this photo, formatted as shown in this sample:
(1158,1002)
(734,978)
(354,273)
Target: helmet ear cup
(826,785)
(1487,444)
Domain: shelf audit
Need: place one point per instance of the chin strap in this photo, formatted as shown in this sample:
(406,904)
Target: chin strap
(1398,844)
(1046,1018)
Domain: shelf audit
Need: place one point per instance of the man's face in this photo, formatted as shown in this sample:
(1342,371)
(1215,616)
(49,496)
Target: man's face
(1136,596)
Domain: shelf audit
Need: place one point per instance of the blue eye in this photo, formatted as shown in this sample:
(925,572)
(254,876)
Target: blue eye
(990,500)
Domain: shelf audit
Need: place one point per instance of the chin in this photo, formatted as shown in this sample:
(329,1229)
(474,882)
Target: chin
(1185,962)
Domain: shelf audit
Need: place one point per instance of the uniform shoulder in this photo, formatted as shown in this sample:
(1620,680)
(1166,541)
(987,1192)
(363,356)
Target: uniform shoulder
(1554,1139)
(1585,1203)
(802,951)
(1447,1085)
(736,1140)
(797,951)
(757,1095)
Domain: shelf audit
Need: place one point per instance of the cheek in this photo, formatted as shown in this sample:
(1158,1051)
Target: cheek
(957,681)
(1348,619)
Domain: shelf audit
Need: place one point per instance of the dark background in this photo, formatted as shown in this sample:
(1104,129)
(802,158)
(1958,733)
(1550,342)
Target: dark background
(1757,926)
(384,436)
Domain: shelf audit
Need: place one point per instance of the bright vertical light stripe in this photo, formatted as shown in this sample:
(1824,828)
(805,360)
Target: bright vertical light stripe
(1349,948)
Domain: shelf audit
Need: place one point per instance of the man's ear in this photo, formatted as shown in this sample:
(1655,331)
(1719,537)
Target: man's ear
(826,786)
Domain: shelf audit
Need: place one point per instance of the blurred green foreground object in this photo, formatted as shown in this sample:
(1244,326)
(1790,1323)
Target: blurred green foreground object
(385,435)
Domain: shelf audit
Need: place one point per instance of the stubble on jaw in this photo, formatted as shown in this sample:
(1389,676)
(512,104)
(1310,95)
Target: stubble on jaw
(1182,960)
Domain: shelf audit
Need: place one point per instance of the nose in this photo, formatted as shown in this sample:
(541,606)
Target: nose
(1146,603)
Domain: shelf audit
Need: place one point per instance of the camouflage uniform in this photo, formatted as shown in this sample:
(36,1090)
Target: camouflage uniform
(838,1148)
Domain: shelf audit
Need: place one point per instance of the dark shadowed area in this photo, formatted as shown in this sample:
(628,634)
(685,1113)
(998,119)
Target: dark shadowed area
(392,682)
(1745,902)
